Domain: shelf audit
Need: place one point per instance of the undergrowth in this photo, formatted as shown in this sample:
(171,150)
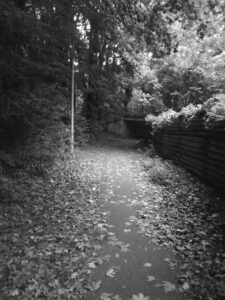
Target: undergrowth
(158,171)
(36,158)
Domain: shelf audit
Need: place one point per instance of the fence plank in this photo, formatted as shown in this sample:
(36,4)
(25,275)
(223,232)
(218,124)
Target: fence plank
(198,149)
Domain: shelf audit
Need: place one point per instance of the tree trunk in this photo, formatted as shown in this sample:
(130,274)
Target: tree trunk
(91,103)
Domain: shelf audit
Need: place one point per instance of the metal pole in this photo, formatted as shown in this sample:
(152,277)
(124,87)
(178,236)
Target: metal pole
(72,107)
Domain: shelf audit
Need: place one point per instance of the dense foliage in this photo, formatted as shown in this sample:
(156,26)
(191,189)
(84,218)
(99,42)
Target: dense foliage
(34,77)
(108,40)
(212,112)
(193,70)
(133,57)
(152,55)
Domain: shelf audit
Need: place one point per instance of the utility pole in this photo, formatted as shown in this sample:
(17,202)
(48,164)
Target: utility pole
(74,69)
(72,106)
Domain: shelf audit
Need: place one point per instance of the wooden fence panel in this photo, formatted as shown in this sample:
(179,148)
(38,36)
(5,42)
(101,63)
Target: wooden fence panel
(199,150)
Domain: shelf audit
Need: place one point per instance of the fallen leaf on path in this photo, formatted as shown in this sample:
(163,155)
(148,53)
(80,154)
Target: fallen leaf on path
(167,259)
(74,275)
(106,296)
(140,296)
(127,223)
(151,278)
(97,247)
(95,285)
(107,257)
(14,293)
(185,286)
(124,248)
(75,259)
(147,265)
(92,265)
(112,272)
(116,297)
(168,286)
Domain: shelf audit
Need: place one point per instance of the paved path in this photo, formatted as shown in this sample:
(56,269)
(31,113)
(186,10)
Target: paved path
(131,263)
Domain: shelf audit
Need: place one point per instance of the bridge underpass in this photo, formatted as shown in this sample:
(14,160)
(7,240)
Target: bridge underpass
(130,127)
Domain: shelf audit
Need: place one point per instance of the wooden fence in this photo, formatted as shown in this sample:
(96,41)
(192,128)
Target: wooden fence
(198,149)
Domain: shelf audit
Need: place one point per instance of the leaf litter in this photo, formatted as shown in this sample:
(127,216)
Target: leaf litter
(112,272)
(50,242)
(49,245)
(151,278)
(179,212)
(168,286)
(147,265)
(140,296)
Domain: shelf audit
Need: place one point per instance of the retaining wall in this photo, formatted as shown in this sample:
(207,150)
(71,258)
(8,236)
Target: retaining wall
(198,149)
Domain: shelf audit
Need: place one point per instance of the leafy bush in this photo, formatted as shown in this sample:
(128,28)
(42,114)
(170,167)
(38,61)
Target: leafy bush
(162,120)
(212,113)
(215,110)
(158,170)
(144,103)
(183,86)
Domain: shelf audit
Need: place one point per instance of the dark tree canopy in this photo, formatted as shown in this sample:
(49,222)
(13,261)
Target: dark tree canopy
(111,42)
